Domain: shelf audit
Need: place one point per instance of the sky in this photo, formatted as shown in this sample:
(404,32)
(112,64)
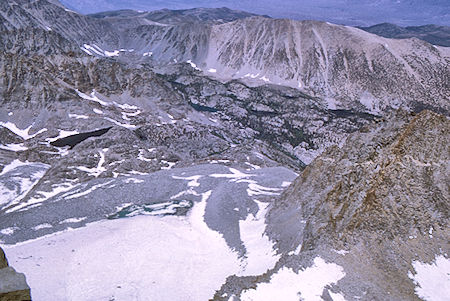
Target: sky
(348,12)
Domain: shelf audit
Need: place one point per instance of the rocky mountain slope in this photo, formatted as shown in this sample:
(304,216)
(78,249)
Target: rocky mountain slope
(194,122)
(348,67)
(377,206)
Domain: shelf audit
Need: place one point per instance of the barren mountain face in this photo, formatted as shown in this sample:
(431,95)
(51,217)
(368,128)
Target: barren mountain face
(172,138)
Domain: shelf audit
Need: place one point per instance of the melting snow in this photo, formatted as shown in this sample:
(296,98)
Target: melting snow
(42,226)
(112,53)
(212,70)
(287,285)
(14,147)
(133,181)
(264,78)
(62,134)
(255,189)
(234,176)
(96,171)
(73,220)
(170,164)
(22,133)
(22,182)
(42,196)
(8,231)
(76,116)
(260,255)
(125,125)
(135,258)
(432,280)
(193,65)
(92,97)
(86,192)
(193,180)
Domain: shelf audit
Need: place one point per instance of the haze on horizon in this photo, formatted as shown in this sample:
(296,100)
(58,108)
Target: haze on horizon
(348,12)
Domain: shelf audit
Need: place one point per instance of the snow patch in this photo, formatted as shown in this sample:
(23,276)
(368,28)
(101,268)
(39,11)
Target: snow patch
(14,147)
(22,133)
(432,280)
(193,65)
(235,175)
(125,125)
(73,220)
(96,171)
(76,116)
(305,285)
(9,231)
(42,226)
(112,53)
(260,255)
(133,181)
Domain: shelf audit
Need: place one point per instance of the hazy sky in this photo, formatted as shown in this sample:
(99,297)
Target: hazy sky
(351,12)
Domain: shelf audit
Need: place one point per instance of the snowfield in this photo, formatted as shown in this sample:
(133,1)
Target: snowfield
(142,257)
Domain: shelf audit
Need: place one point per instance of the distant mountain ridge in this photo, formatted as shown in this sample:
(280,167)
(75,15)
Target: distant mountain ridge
(174,17)
(349,12)
(434,34)
(348,67)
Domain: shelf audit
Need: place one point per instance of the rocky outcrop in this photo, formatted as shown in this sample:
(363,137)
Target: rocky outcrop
(13,286)
(375,207)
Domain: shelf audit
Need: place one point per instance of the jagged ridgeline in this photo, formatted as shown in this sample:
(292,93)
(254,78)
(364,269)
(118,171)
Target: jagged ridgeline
(177,131)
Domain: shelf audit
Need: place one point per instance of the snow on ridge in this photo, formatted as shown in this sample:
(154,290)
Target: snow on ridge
(99,169)
(112,53)
(124,125)
(41,196)
(42,226)
(73,220)
(11,166)
(94,49)
(235,175)
(9,230)
(193,180)
(14,147)
(193,65)
(22,183)
(62,134)
(76,116)
(22,133)
(86,192)
(92,97)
